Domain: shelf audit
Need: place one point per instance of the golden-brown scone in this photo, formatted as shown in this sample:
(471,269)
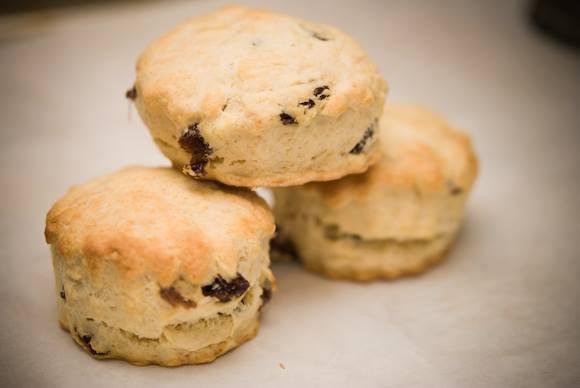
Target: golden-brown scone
(253,98)
(398,217)
(155,268)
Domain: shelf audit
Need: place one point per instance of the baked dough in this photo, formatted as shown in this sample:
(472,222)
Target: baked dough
(155,268)
(253,98)
(397,218)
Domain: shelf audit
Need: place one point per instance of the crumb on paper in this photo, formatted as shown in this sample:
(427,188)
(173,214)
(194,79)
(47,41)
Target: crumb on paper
(282,366)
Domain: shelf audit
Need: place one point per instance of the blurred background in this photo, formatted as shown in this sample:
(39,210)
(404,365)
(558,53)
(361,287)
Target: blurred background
(502,311)
(559,18)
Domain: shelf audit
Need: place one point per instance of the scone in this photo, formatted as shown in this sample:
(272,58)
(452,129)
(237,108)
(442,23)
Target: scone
(156,268)
(397,218)
(252,98)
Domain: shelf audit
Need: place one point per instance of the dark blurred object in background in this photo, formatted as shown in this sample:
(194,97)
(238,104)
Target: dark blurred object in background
(559,19)
(7,7)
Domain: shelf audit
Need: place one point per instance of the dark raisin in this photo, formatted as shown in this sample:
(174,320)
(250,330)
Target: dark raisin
(224,290)
(319,90)
(319,37)
(193,142)
(87,341)
(316,35)
(359,147)
(131,94)
(175,299)
(323,96)
(453,188)
(308,103)
(287,119)
(63,294)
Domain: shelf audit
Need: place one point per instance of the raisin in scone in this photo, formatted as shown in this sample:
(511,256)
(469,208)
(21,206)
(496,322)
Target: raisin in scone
(156,268)
(252,98)
(398,217)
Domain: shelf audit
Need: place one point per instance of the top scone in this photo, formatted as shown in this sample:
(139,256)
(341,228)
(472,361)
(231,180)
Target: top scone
(253,98)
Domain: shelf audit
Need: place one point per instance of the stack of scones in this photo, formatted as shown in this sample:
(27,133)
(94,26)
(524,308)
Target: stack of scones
(171,266)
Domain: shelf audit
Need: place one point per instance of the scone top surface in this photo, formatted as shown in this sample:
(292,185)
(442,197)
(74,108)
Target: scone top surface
(253,98)
(416,191)
(157,221)
(420,151)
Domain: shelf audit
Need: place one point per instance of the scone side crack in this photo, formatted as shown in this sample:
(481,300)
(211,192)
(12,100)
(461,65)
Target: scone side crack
(193,142)
(333,232)
(225,291)
(86,339)
(368,135)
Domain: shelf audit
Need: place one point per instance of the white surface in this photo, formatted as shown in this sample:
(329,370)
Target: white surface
(503,311)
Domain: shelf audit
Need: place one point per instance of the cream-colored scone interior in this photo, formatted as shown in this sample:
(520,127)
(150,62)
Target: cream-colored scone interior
(143,322)
(269,99)
(396,218)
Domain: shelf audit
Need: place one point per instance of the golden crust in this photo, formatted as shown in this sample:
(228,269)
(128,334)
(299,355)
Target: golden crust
(157,220)
(158,83)
(420,152)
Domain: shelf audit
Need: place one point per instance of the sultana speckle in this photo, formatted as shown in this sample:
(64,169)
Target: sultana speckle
(308,103)
(319,37)
(319,90)
(360,146)
(287,119)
